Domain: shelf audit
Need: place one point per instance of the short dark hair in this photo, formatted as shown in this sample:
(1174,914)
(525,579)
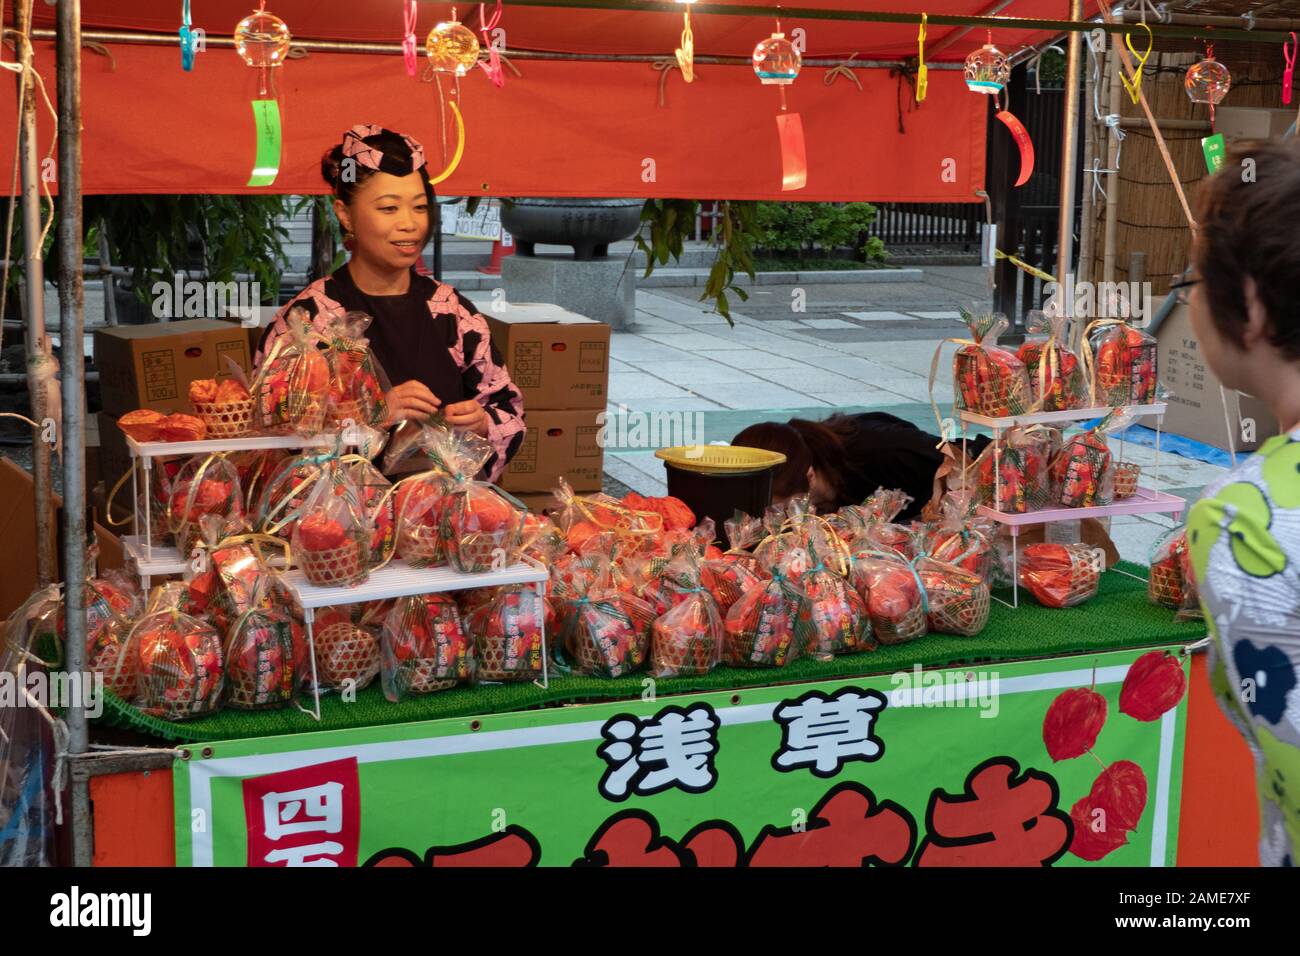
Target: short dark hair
(1249,225)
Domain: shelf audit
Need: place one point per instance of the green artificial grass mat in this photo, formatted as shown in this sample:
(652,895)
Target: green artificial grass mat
(1118,617)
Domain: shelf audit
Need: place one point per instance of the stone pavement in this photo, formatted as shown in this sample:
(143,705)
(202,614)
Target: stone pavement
(853,347)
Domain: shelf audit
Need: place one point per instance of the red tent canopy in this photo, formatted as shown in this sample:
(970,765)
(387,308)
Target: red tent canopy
(565,128)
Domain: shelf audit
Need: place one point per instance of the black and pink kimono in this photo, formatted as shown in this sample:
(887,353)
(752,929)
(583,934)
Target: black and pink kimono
(430,333)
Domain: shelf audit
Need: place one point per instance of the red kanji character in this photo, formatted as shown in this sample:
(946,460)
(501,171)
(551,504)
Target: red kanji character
(512,847)
(847,828)
(632,838)
(1001,820)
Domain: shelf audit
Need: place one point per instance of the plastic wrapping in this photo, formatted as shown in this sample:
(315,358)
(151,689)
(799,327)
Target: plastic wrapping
(507,631)
(1061,575)
(894,598)
(582,516)
(27,745)
(1012,475)
(355,392)
(764,628)
(962,536)
(482,529)
(1125,365)
(836,613)
(112,604)
(291,389)
(687,640)
(424,647)
(181,671)
(1057,379)
(987,379)
(1083,471)
(1189,609)
(205,485)
(331,542)
(282,494)
(878,526)
(265,653)
(380,505)
(676,514)
(598,635)
(958,601)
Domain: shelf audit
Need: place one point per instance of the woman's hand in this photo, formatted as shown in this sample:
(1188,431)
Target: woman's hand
(468,416)
(410,401)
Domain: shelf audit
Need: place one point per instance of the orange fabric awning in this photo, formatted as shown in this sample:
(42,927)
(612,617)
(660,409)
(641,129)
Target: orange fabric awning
(565,128)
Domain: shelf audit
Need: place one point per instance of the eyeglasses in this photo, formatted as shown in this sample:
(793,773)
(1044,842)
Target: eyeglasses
(1181,290)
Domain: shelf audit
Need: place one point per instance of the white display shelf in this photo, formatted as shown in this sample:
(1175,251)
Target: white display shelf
(1052,418)
(160,449)
(153,561)
(399,579)
(1145,501)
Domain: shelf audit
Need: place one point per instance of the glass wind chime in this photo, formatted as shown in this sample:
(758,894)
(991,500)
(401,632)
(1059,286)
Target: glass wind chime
(452,49)
(777,63)
(262,41)
(1208,82)
(686,52)
(988,72)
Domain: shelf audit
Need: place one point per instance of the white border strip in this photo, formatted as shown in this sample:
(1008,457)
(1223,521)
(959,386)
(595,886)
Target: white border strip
(201,772)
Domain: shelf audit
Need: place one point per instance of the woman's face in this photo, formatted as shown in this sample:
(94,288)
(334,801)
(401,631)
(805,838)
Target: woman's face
(389,218)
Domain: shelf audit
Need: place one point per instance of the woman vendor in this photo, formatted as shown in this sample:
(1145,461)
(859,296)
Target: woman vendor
(429,340)
(843,459)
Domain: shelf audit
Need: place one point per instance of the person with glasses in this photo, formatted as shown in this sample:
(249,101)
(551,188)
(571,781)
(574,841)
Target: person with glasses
(1243,534)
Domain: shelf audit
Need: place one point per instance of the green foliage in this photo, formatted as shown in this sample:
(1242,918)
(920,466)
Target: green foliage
(158,236)
(809,227)
(672,221)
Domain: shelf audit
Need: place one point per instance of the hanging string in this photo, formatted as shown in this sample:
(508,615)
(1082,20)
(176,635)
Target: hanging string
(843,70)
(410,17)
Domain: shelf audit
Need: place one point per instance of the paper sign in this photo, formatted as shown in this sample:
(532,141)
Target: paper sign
(1023,142)
(794,157)
(1214,148)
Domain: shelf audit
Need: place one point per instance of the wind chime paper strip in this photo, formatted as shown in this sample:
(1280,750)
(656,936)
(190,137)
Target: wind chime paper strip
(266,116)
(1025,144)
(794,157)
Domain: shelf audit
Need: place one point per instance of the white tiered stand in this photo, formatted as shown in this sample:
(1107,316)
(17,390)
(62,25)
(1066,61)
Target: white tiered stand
(1145,501)
(394,580)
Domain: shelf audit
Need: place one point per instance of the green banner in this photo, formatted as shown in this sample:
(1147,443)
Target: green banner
(936,767)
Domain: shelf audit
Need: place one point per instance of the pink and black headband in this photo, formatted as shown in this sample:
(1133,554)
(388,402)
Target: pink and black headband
(372,157)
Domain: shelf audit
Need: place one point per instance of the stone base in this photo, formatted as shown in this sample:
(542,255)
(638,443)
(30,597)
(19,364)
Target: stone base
(601,289)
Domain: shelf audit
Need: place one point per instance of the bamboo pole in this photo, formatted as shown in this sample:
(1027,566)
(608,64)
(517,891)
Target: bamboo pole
(1112,163)
(1069,156)
(38,345)
(71,316)
(1087,213)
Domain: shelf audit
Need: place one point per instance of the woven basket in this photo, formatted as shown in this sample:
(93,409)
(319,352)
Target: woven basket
(340,412)
(1126,479)
(422,678)
(1165,586)
(227,419)
(675,657)
(242,694)
(965,617)
(479,552)
(421,546)
(912,625)
(492,661)
(345,652)
(337,567)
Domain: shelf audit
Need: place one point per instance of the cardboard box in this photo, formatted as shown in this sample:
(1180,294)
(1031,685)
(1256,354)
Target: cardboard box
(1252,122)
(559,359)
(255,326)
(151,366)
(18,531)
(1196,400)
(538,502)
(558,443)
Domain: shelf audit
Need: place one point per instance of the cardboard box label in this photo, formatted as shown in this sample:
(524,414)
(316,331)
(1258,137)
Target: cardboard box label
(591,357)
(159,374)
(587,442)
(526,369)
(525,460)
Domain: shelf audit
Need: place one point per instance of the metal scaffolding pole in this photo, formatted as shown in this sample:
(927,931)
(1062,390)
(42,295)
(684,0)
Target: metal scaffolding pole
(38,346)
(71,317)
(1069,159)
